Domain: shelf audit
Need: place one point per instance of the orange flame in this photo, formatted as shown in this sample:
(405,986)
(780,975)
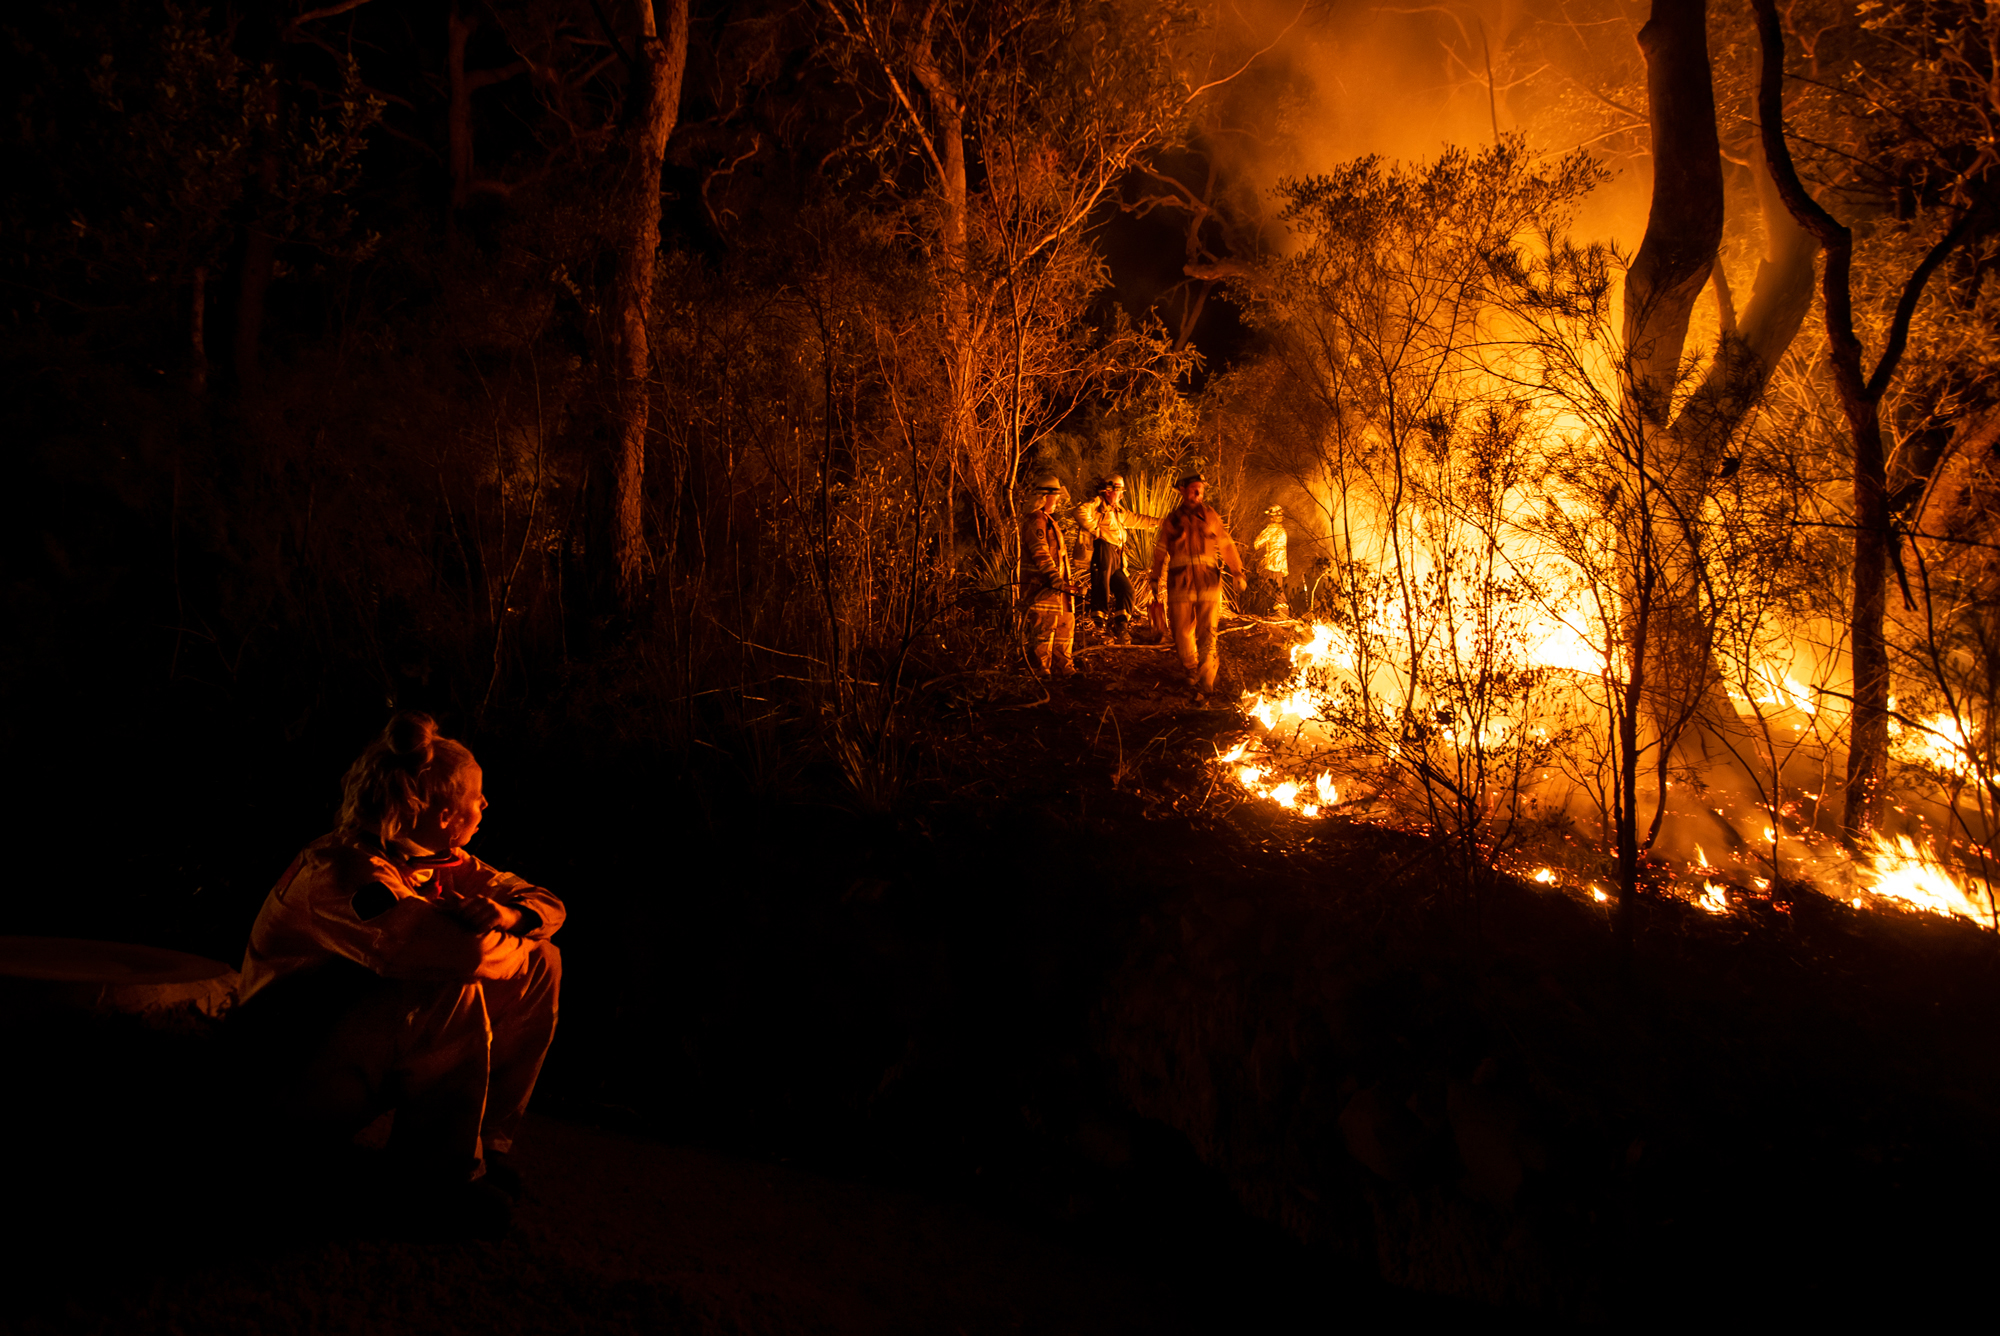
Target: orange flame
(1912,876)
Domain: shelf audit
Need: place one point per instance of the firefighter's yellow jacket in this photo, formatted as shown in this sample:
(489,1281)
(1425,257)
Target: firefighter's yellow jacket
(1045,569)
(1191,547)
(1108,520)
(1270,549)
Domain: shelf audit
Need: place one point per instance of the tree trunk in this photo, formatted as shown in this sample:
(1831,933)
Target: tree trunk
(952,233)
(457,29)
(260,255)
(1868,726)
(198,334)
(1684,221)
(1687,702)
(1745,356)
(465,182)
(1683,230)
(658,65)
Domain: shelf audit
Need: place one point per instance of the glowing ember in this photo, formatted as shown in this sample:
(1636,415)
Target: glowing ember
(1306,797)
(1349,694)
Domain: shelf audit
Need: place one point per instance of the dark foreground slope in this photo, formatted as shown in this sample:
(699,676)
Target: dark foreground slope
(1233,1065)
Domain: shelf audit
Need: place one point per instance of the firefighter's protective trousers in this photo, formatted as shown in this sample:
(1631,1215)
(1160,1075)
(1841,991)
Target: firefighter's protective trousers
(1194,612)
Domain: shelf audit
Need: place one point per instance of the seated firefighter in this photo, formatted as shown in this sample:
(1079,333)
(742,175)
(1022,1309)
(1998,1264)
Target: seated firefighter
(389,969)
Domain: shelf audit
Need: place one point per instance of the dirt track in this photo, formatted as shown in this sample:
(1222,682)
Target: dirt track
(617,1234)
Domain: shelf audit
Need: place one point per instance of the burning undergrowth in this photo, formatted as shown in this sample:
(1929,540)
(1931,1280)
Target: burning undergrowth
(1515,791)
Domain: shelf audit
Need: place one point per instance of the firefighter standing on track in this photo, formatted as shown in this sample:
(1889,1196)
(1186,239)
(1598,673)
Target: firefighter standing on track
(1105,519)
(1272,571)
(1048,598)
(1189,553)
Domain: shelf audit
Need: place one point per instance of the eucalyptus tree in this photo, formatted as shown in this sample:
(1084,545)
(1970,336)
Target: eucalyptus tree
(1944,104)
(1009,127)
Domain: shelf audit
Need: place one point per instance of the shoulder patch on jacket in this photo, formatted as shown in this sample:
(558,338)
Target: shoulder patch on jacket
(371,900)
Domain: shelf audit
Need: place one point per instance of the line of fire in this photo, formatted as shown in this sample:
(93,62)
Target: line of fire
(1124,665)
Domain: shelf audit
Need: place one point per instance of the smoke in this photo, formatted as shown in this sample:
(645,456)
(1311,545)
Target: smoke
(1328,81)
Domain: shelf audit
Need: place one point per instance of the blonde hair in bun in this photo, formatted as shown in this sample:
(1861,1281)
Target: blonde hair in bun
(409,768)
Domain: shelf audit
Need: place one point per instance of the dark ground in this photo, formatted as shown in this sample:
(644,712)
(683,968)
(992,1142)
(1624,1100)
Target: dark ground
(620,1233)
(1069,1040)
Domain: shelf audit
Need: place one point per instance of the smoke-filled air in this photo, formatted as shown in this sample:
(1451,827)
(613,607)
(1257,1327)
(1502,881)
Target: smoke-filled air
(1592,537)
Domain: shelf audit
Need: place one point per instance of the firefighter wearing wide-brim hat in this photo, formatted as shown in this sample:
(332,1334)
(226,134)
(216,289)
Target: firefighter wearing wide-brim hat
(1189,554)
(1048,597)
(1272,571)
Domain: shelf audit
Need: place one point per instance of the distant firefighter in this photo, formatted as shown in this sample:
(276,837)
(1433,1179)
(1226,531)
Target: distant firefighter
(1048,594)
(1272,572)
(1188,557)
(1076,541)
(1105,518)
(390,969)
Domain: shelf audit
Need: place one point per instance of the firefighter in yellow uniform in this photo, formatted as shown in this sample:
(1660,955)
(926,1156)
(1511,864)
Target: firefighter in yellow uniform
(1048,598)
(1272,569)
(1189,554)
(1105,519)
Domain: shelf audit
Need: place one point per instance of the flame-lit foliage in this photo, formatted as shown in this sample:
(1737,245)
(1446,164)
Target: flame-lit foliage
(1418,461)
(1005,129)
(1513,548)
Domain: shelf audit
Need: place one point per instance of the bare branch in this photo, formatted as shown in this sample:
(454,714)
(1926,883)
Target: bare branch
(326,12)
(1969,222)
(1217,83)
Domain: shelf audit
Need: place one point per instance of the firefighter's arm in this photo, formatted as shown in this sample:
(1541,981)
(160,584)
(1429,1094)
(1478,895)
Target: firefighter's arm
(1230,556)
(1157,575)
(481,945)
(395,934)
(1039,552)
(485,899)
